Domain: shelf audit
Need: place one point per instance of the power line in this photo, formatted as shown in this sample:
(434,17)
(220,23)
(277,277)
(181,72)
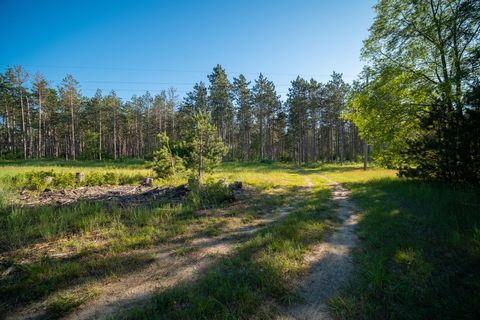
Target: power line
(150,82)
(174,70)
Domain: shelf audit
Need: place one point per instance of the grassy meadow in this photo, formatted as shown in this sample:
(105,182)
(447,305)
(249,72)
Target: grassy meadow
(419,248)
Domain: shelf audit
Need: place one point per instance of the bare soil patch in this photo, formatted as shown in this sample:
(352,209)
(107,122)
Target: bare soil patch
(122,195)
(329,263)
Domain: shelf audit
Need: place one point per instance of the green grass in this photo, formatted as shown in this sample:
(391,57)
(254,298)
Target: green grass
(420,250)
(56,249)
(244,284)
(419,253)
(32,174)
(83,164)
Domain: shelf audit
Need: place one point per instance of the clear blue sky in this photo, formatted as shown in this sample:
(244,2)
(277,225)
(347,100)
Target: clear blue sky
(133,46)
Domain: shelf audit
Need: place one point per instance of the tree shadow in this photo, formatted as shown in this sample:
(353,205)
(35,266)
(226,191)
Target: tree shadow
(40,278)
(35,280)
(416,252)
(238,285)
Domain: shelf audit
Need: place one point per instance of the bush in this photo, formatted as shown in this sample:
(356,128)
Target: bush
(285,157)
(63,180)
(209,194)
(94,179)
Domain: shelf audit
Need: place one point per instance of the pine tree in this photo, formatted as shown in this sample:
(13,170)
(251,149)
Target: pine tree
(220,104)
(244,115)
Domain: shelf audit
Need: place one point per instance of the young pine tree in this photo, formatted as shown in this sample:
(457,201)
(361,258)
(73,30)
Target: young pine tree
(206,145)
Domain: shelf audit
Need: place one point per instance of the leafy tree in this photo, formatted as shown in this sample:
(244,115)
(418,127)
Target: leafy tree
(435,45)
(387,112)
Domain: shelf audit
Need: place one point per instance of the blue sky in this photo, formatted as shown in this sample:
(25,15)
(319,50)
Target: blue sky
(134,46)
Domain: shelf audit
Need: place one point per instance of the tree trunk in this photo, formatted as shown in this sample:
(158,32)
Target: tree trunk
(39,151)
(72,146)
(100,135)
(260,139)
(200,161)
(341,144)
(30,129)
(114,136)
(365,155)
(24,138)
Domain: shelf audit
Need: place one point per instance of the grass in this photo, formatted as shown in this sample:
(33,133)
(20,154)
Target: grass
(33,174)
(420,254)
(243,284)
(59,252)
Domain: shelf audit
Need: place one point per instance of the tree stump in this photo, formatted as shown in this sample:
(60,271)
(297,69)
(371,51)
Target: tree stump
(48,179)
(147,182)
(79,177)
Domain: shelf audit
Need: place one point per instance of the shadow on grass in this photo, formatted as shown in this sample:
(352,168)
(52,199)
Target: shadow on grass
(143,227)
(420,256)
(33,281)
(244,284)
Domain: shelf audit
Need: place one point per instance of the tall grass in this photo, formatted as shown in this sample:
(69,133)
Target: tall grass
(420,251)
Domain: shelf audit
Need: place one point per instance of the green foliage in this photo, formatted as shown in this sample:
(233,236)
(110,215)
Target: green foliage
(386,111)
(424,58)
(52,179)
(209,194)
(206,144)
(285,157)
(166,163)
(90,149)
(200,152)
(220,103)
(448,147)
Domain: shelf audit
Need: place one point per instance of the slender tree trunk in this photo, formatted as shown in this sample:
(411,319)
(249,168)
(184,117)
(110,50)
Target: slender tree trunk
(200,160)
(330,143)
(365,155)
(114,135)
(100,134)
(341,143)
(39,151)
(24,138)
(9,133)
(30,129)
(72,146)
(260,139)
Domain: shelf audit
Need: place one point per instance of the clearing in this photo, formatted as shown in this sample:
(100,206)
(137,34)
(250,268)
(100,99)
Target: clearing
(298,242)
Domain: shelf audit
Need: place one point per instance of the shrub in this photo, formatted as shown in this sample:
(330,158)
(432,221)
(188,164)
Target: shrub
(94,179)
(166,162)
(111,178)
(209,194)
(63,180)
(40,180)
